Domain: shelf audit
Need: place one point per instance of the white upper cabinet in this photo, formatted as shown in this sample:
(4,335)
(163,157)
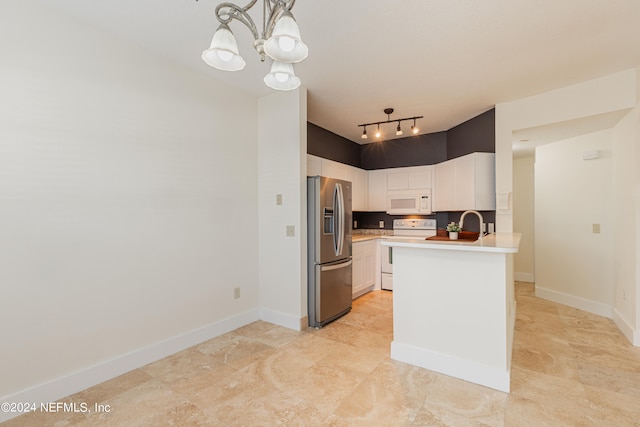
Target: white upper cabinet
(464,183)
(460,184)
(333,169)
(409,178)
(378,190)
(357,177)
(314,165)
(361,190)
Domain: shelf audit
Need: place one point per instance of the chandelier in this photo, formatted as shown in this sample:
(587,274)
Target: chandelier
(279,40)
(388,112)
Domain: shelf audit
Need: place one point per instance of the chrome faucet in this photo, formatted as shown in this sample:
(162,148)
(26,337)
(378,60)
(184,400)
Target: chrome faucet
(479,216)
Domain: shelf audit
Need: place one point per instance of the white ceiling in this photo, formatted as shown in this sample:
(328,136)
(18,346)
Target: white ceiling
(448,60)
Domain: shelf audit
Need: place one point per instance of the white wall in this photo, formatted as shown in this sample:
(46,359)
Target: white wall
(523,217)
(282,170)
(626,214)
(128,205)
(574,264)
(615,92)
(602,95)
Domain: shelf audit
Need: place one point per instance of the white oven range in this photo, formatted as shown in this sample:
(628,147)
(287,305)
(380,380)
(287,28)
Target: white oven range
(403,229)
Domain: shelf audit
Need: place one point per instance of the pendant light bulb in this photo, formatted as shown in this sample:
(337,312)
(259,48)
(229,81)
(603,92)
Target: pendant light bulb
(378,131)
(364,133)
(414,128)
(398,130)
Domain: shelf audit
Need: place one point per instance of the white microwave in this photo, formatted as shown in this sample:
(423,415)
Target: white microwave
(409,202)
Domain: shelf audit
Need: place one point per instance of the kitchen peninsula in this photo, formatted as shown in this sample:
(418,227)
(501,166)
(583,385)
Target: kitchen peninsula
(454,306)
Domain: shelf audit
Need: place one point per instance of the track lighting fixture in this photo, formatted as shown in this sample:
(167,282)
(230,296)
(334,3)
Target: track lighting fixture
(388,112)
(280,40)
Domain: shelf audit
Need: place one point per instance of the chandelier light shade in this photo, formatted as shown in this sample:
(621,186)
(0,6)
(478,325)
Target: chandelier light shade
(388,112)
(285,44)
(280,40)
(282,77)
(223,53)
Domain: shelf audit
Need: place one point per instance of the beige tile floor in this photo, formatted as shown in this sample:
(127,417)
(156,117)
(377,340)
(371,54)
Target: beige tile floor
(570,368)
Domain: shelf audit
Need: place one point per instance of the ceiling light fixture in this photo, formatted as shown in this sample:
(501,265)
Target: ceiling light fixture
(388,112)
(280,40)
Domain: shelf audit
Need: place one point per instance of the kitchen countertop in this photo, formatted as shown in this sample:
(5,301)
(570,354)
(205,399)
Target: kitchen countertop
(496,242)
(364,237)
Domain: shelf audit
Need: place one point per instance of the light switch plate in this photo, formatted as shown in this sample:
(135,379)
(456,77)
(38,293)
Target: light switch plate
(291,230)
(595,228)
(278,199)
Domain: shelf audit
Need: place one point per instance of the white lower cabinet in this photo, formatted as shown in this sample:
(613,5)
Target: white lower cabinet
(365,266)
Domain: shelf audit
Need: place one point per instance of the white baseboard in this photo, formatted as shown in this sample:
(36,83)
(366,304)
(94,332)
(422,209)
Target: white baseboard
(576,302)
(467,370)
(284,319)
(61,387)
(627,330)
(524,277)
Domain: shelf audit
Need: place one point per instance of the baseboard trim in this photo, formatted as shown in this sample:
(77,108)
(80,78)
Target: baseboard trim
(627,330)
(576,302)
(467,370)
(284,319)
(82,379)
(524,277)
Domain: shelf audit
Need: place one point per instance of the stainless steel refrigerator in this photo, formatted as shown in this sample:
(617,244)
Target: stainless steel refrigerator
(329,242)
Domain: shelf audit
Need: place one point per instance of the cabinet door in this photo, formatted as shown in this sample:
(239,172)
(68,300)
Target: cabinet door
(397,180)
(365,268)
(333,169)
(420,178)
(378,190)
(314,165)
(465,189)
(485,181)
(361,191)
(445,176)
(369,265)
(357,272)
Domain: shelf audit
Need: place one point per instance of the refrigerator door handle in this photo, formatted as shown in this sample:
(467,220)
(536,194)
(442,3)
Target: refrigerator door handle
(338,219)
(336,266)
(341,218)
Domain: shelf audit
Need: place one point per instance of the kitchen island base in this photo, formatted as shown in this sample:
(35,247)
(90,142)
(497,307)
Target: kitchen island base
(454,309)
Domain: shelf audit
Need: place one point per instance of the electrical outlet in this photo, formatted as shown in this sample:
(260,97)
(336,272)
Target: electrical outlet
(624,295)
(381,224)
(355,224)
(291,230)
(278,199)
(236,293)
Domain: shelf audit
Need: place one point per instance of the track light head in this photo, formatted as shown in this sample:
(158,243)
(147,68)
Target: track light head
(364,133)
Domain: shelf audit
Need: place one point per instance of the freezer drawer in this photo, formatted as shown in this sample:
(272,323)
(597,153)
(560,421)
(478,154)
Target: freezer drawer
(330,292)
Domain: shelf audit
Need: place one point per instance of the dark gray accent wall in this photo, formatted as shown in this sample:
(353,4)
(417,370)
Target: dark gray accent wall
(475,135)
(328,145)
(417,150)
